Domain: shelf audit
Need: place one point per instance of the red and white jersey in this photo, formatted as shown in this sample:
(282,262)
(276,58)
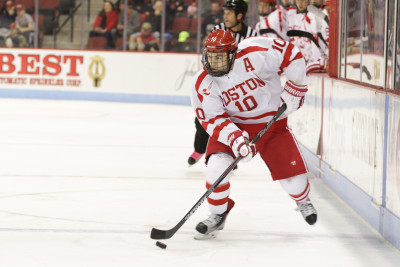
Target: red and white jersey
(324,29)
(250,92)
(274,25)
(307,22)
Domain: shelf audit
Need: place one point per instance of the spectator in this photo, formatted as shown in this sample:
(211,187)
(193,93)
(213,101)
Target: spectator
(4,32)
(15,39)
(106,20)
(145,41)
(133,23)
(24,24)
(272,22)
(139,6)
(215,16)
(192,9)
(205,7)
(9,15)
(285,4)
(177,7)
(184,44)
(155,18)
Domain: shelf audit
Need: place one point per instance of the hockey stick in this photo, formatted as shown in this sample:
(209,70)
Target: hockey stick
(317,12)
(166,234)
(298,33)
(270,30)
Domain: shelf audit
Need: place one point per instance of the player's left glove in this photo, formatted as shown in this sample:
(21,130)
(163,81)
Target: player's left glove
(239,143)
(293,96)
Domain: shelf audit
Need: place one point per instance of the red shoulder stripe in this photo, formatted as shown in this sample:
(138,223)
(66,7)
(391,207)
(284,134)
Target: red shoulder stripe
(198,82)
(267,23)
(250,49)
(287,55)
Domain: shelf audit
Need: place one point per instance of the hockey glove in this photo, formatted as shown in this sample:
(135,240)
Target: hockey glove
(239,143)
(293,96)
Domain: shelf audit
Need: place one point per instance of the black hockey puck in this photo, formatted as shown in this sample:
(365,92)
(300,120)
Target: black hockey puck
(161,245)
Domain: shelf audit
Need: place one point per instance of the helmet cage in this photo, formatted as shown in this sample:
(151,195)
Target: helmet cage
(223,45)
(224,67)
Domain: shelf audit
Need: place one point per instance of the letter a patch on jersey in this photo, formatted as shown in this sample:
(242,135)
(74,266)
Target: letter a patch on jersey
(247,65)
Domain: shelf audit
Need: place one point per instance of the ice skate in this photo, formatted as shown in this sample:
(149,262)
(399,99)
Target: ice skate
(209,228)
(308,211)
(194,158)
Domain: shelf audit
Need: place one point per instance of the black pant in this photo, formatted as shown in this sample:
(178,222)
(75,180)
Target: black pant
(200,138)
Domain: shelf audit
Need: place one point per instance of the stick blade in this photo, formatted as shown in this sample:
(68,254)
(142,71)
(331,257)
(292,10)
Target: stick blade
(158,234)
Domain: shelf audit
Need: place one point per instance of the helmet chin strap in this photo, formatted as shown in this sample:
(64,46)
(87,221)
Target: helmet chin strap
(230,28)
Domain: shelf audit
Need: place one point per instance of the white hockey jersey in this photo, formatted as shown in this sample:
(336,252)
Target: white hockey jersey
(274,25)
(250,92)
(307,22)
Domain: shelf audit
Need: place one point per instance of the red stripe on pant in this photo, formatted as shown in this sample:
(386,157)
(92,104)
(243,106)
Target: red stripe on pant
(303,195)
(217,202)
(220,188)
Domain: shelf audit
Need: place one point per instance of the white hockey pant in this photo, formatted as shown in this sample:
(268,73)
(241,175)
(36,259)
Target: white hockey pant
(297,187)
(216,165)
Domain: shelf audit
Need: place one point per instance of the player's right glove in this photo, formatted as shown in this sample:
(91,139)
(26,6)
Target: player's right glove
(239,143)
(293,96)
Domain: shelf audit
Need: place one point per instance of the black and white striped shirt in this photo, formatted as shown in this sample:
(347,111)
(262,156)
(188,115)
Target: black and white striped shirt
(246,31)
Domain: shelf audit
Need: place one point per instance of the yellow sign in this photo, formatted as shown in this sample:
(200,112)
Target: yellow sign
(377,72)
(97,70)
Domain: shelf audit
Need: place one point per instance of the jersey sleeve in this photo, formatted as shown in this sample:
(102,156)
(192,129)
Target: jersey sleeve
(291,61)
(280,56)
(209,108)
(294,65)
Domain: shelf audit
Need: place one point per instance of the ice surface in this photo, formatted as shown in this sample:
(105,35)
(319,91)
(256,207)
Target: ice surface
(82,184)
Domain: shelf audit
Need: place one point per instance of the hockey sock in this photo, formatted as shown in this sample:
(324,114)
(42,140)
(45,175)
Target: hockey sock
(297,187)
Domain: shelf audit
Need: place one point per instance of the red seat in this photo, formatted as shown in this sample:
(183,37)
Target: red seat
(49,4)
(120,42)
(40,20)
(97,43)
(194,23)
(180,24)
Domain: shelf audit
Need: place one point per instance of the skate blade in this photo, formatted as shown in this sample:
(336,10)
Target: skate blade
(200,236)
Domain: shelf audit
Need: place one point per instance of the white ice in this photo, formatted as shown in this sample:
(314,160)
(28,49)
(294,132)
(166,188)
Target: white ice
(82,184)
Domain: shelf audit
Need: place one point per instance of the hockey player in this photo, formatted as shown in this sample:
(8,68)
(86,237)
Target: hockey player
(234,16)
(272,20)
(285,4)
(310,34)
(234,96)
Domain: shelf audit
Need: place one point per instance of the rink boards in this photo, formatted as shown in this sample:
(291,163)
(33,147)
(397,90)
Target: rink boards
(350,135)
